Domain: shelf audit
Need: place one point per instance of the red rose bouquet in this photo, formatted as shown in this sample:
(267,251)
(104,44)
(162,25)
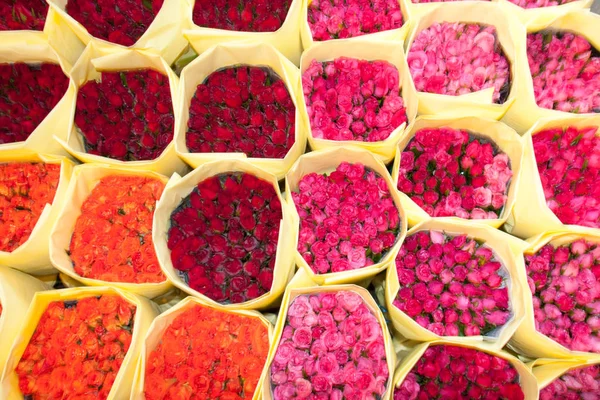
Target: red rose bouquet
(238,15)
(23,15)
(577,383)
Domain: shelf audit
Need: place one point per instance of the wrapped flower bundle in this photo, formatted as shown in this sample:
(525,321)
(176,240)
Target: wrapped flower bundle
(332,346)
(28,92)
(121,22)
(23,14)
(25,190)
(352,99)
(578,383)
(539,3)
(435,1)
(342,19)
(207,353)
(451,372)
(239,15)
(126,115)
(223,237)
(348,219)
(453,172)
(458,58)
(452,285)
(242,109)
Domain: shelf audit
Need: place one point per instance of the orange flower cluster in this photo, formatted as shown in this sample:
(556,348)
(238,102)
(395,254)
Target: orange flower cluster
(207,354)
(25,189)
(112,239)
(77,349)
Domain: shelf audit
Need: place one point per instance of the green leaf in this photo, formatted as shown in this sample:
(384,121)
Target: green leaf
(576,140)
(123,79)
(147,4)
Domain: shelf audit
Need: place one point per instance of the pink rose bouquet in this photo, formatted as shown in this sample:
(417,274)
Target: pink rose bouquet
(452,285)
(455,173)
(580,383)
(435,1)
(565,285)
(351,99)
(565,70)
(342,19)
(458,58)
(568,162)
(332,347)
(539,3)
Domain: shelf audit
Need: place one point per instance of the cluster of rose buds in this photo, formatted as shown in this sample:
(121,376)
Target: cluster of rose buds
(436,1)
(348,219)
(28,92)
(568,161)
(566,71)
(223,237)
(342,19)
(565,284)
(241,15)
(456,58)
(242,109)
(332,347)
(453,372)
(117,21)
(127,115)
(450,172)
(350,99)
(539,3)
(580,383)
(23,14)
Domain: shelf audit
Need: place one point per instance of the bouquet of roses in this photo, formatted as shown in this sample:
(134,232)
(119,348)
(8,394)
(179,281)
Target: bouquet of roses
(527,4)
(204,350)
(580,382)
(23,15)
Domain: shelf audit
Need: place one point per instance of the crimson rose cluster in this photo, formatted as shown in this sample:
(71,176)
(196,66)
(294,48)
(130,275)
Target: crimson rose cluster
(23,14)
(241,15)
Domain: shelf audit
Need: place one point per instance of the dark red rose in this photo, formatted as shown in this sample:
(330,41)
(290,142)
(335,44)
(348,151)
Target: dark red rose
(241,15)
(23,14)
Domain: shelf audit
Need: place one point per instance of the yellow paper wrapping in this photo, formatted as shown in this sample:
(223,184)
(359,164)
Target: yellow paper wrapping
(162,322)
(163,35)
(33,256)
(85,178)
(121,389)
(393,35)
(16,291)
(326,161)
(506,248)
(509,33)
(90,65)
(527,380)
(232,54)
(527,340)
(548,370)
(371,50)
(178,188)
(302,284)
(504,137)
(530,215)
(525,112)
(37,50)
(286,39)
(543,13)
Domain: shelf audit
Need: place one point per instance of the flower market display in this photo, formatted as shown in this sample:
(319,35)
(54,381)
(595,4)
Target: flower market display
(209,354)
(28,92)
(352,99)
(23,14)
(239,15)
(579,383)
(242,109)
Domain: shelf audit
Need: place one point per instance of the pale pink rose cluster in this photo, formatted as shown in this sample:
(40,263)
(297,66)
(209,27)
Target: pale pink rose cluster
(539,3)
(436,1)
(580,383)
(332,347)
(457,58)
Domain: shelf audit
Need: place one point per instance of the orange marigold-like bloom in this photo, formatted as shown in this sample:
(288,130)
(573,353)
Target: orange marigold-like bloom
(25,189)
(112,239)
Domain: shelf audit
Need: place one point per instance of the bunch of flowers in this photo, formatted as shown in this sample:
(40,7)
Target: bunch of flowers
(568,161)
(348,219)
(566,71)
(25,189)
(242,109)
(223,237)
(28,92)
(23,14)
(435,1)
(206,353)
(126,115)
(450,172)
(456,58)
(332,346)
(451,285)
(117,21)
(342,19)
(566,297)
(77,349)
(580,383)
(453,372)
(539,3)
(350,99)
(112,238)
(241,15)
